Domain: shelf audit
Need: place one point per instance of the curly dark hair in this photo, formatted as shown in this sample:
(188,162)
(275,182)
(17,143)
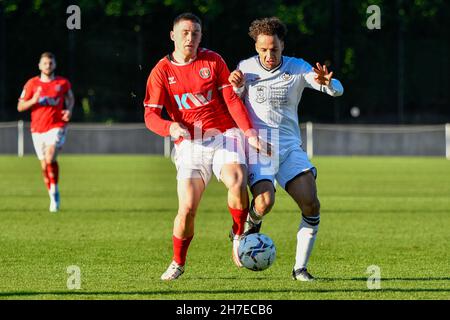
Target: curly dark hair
(267,26)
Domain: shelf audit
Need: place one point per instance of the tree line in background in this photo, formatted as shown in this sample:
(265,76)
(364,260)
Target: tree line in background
(397,74)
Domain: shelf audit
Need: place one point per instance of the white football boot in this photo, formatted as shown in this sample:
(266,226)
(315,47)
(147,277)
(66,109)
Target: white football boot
(54,198)
(174,271)
(54,202)
(236,240)
(302,275)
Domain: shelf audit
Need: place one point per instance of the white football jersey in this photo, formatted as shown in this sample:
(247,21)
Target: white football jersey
(272,97)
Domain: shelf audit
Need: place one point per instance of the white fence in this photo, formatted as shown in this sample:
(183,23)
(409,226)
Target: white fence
(389,140)
(318,139)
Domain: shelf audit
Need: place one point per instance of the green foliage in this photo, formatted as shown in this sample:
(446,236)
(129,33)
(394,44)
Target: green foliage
(122,39)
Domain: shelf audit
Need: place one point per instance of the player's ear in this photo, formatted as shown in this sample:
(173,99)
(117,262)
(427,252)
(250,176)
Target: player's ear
(282,45)
(172,36)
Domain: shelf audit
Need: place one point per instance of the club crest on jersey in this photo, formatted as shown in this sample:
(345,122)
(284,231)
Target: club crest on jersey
(205,73)
(58,88)
(286,76)
(261,94)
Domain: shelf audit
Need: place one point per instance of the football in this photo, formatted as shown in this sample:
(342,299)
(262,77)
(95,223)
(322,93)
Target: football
(257,251)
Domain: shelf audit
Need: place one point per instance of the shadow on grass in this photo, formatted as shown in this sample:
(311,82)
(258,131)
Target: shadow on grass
(325,279)
(389,279)
(231,291)
(89,210)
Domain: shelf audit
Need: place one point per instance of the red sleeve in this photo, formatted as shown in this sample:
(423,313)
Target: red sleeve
(155,98)
(237,110)
(235,105)
(67,86)
(27,92)
(222,73)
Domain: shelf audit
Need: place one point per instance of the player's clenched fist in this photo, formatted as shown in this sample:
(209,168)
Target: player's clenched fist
(178,130)
(66,115)
(237,78)
(36,95)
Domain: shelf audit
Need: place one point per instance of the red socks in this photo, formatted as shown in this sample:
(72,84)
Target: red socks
(53,172)
(180,248)
(239,218)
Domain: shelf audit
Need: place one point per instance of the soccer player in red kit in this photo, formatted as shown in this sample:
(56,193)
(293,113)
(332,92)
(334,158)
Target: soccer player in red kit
(50,99)
(192,84)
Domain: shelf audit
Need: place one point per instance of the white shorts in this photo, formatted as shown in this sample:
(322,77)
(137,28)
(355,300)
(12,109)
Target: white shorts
(285,168)
(42,140)
(201,158)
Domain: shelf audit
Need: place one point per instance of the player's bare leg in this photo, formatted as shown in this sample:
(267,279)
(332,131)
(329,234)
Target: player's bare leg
(304,191)
(45,174)
(234,177)
(52,168)
(190,192)
(189,195)
(263,200)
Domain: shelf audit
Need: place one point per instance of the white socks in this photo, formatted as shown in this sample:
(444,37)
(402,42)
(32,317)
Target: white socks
(53,189)
(306,237)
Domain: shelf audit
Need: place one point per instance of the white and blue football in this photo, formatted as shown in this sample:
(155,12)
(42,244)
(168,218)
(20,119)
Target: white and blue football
(257,251)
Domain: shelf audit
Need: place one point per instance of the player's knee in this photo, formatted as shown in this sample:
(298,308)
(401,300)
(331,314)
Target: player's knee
(50,155)
(237,183)
(49,158)
(186,212)
(264,202)
(311,207)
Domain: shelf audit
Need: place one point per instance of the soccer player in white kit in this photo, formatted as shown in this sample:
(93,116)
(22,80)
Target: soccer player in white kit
(271,86)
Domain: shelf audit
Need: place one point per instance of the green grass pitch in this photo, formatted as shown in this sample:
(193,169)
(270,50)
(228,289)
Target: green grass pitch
(116,224)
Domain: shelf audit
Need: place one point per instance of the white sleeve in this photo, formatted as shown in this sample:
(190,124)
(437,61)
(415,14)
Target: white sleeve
(335,88)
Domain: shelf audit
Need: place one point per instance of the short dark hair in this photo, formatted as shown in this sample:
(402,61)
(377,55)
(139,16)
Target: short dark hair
(47,54)
(187,16)
(269,27)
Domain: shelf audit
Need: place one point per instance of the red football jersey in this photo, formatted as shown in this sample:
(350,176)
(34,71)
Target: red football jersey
(47,113)
(193,93)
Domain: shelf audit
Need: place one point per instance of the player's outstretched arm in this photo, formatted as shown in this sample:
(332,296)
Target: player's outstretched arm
(322,80)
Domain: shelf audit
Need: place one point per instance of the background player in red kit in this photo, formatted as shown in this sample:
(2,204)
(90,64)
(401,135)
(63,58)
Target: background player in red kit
(51,101)
(192,84)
